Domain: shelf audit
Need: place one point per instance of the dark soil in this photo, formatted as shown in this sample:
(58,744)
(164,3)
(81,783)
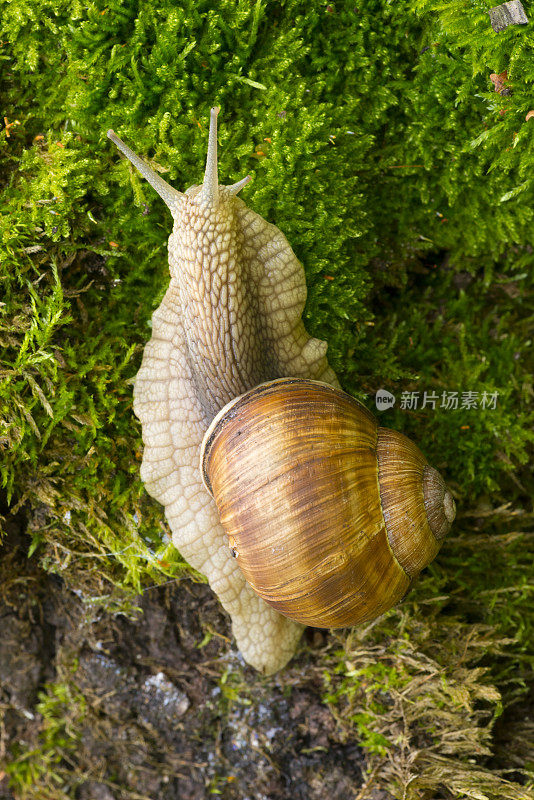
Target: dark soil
(159,704)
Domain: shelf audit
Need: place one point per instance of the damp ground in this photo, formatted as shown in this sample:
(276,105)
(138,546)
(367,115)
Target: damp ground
(98,704)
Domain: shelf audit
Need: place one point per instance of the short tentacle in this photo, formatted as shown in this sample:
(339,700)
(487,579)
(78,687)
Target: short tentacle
(236,187)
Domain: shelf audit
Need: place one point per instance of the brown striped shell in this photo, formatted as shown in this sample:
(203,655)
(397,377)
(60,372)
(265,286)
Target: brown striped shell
(329,516)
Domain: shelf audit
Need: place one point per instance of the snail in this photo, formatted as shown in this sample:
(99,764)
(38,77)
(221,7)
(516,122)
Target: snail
(227,336)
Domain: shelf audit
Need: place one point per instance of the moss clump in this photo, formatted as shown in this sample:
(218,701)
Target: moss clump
(414,692)
(61,711)
(403,181)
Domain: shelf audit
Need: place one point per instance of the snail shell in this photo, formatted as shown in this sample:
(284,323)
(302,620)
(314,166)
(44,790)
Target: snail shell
(329,516)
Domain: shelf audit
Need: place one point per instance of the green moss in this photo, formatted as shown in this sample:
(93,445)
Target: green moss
(38,772)
(413,693)
(402,180)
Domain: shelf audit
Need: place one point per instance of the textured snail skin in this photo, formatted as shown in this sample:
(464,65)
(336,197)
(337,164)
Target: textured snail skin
(230,319)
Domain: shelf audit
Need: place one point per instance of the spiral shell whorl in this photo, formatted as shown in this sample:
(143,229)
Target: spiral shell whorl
(439,503)
(412,497)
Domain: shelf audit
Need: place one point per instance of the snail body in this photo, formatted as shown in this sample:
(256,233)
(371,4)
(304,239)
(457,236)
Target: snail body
(230,323)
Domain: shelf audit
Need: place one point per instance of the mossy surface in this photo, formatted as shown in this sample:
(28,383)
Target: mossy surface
(403,180)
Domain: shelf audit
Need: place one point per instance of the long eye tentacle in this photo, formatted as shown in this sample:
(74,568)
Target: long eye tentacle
(210,188)
(167,192)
